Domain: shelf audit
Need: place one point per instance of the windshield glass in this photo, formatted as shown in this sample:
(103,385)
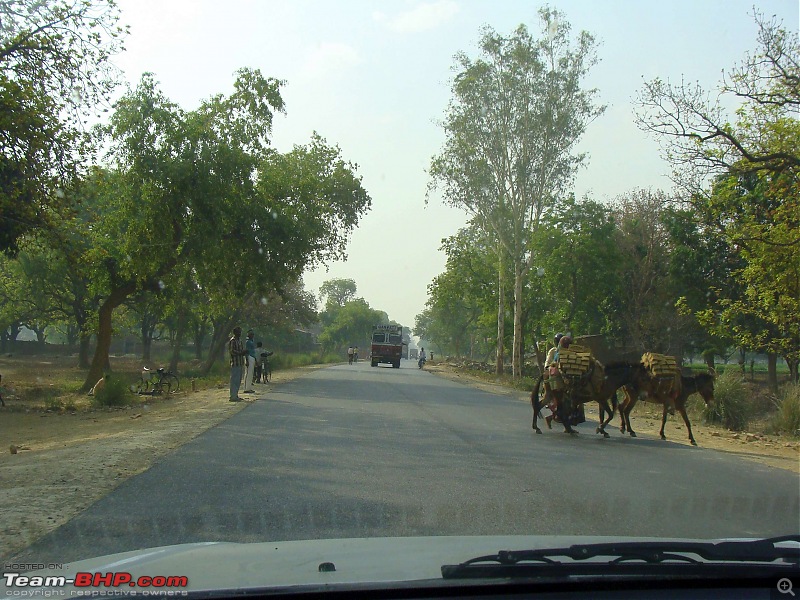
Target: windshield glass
(571,230)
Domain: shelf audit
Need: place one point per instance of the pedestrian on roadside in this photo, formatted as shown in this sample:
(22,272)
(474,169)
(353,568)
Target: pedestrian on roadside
(250,347)
(355,354)
(259,364)
(238,354)
(349,355)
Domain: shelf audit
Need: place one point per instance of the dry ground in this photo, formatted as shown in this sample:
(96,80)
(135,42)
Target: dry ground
(66,460)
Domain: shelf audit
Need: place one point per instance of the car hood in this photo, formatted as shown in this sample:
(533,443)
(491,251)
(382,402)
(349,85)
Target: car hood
(318,563)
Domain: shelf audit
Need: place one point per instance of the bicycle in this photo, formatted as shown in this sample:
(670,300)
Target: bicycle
(266,369)
(157,382)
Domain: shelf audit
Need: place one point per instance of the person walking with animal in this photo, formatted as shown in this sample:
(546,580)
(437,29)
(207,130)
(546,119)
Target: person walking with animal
(250,347)
(237,353)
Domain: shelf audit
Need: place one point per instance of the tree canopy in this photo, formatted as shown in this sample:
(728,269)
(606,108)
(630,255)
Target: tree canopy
(54,75)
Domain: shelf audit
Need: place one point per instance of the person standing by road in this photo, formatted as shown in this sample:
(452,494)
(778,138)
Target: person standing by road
(349,355)
(250,347)
(237,353)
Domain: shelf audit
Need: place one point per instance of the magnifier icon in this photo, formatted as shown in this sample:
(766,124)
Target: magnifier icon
(785,586)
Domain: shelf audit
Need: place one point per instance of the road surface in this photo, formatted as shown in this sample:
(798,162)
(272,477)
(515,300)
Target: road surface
(355,451)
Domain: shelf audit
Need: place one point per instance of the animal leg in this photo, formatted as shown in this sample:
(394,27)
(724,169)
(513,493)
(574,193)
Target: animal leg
(682,410)
(630,402)
(535,406)
(663,421)
(602,426)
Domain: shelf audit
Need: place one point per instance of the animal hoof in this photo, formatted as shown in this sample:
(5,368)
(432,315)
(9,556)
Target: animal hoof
(538,430)
(633,434)
(663,437)
(693,442)
(605,434)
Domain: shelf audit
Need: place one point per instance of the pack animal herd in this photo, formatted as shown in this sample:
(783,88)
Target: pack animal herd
(637,380)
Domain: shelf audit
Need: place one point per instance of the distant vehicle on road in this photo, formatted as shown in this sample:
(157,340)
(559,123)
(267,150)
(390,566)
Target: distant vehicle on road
(387,345)
(414,353)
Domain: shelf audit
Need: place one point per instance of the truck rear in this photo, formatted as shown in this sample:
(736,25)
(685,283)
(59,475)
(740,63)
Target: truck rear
(387,345)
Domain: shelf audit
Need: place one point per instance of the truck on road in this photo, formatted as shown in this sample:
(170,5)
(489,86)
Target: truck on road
(387,345)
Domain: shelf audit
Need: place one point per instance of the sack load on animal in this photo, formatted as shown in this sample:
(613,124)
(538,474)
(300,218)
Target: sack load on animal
(664,369)
(572,363)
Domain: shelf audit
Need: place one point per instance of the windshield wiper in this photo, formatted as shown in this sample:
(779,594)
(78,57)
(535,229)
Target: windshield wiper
(636,558)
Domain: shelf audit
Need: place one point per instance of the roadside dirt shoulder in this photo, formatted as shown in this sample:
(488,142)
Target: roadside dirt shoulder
(66,462)
(769,450)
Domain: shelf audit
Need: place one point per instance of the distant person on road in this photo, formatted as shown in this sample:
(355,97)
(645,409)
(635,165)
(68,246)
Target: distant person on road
(238,354)
(421,361)
(355,354)
(250,347)
(349,355)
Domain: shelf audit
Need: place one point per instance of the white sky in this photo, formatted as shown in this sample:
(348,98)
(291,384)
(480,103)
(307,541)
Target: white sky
(373,77)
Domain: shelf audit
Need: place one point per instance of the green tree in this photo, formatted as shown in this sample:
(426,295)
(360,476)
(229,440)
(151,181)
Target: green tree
(462,300)
(54,72)
(177,181)
(351,325)
(761,216)
(697,134)
(336,292)
(579,257)
(511,130)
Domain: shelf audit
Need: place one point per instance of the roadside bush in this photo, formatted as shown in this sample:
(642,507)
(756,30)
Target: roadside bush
(787,419)
(732,407)
(113,393)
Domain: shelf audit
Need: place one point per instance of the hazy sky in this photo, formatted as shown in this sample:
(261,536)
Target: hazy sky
(374,78)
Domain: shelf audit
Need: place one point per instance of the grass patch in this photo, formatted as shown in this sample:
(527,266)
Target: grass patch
(115,392)
(731,408)
(787,418)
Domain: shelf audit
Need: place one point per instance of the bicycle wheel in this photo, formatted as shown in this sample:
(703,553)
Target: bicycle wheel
(141,386)
(168,384)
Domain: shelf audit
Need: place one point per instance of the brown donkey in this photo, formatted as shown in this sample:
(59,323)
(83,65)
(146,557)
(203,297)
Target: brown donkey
(645,388)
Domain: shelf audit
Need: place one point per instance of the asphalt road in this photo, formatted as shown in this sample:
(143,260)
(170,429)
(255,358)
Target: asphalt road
(354,451)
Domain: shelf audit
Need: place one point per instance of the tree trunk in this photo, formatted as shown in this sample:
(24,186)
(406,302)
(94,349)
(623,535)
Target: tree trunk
(501,317)
(83,350)
(100,360)
(219,337)
(516,357)
(793,374)
(200,331)
(772,372)
(147,329)
(709,358)
(176,348)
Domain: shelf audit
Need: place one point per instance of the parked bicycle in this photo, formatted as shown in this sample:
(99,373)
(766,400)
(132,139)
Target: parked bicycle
(157,382)
(266,368)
